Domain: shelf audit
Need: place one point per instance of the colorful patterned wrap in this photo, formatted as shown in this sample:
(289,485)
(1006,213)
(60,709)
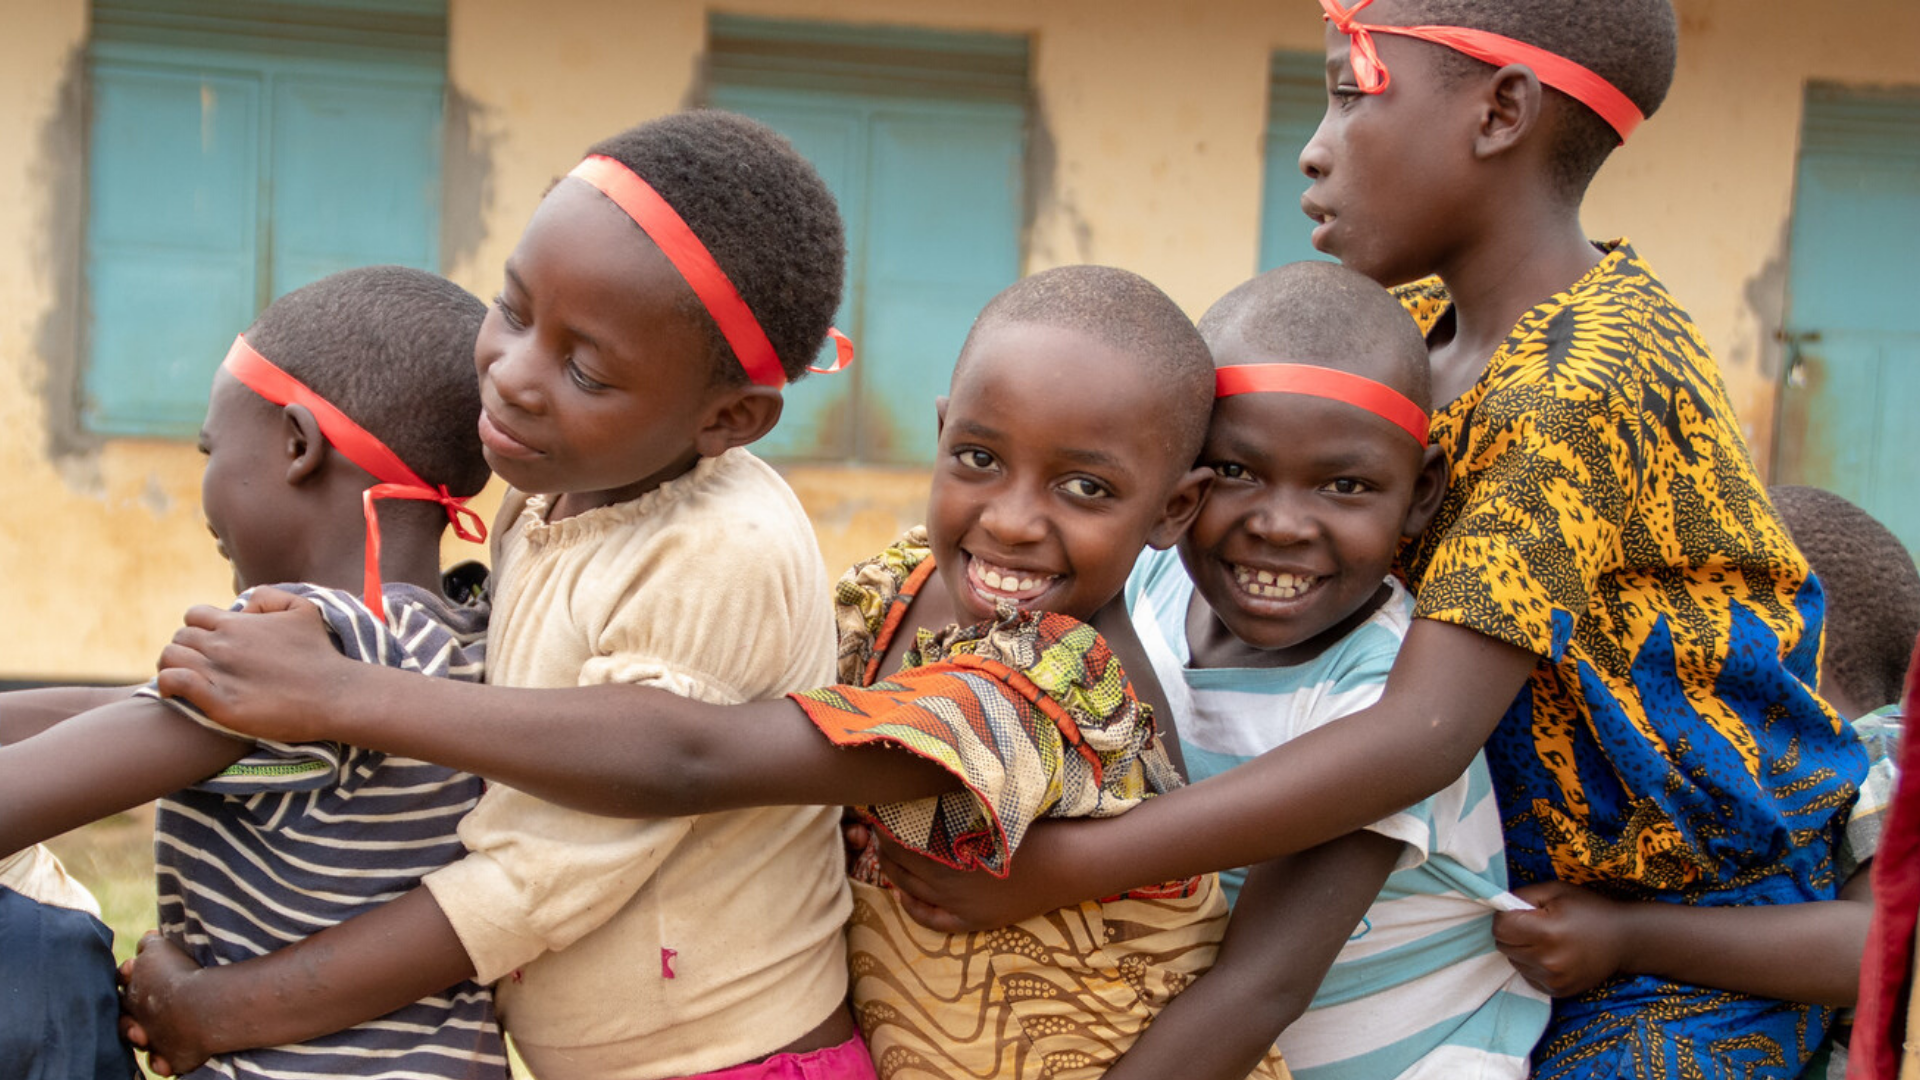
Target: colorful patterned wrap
(1603,513)
(1035,716)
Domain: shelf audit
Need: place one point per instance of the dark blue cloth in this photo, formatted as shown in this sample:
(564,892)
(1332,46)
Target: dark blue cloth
(59,1009)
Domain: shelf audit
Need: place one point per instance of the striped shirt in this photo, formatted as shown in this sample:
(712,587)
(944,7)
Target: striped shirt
(292,839)
(1419,989)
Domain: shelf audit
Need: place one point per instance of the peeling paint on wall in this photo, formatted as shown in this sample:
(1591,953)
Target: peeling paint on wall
(59,175)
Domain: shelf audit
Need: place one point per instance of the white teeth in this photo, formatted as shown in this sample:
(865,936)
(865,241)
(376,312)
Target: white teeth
(1271,585)
(1009,582)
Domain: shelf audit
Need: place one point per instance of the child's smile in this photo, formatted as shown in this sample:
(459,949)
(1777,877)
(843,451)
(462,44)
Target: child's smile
(1052,474)
(1297,534)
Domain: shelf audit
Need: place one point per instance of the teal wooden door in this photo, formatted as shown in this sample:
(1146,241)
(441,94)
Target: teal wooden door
(922,139)
(1852,383)
(1296,100)
(237,153)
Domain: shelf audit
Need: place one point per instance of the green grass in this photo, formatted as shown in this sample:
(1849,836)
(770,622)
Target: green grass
(114,858)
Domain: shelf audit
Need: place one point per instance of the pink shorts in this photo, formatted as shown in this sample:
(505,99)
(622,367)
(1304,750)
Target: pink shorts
(848,1061)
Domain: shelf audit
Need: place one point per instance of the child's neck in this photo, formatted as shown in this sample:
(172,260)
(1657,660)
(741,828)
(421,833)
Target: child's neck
(1211,645)
(568,504)
(1526,260)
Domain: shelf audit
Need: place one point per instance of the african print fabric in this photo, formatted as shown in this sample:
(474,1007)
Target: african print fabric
(1603,513)
(1035,716)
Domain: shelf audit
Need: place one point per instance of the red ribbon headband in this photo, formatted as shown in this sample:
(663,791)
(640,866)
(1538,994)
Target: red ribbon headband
(359,446)
(1574,80)
(696,264)
(1357,390)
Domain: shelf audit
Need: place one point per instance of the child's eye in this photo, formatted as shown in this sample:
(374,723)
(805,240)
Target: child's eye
(506,313)
(583,380)
(1229,470)
(1085,487)
(1347,485)
(971,458)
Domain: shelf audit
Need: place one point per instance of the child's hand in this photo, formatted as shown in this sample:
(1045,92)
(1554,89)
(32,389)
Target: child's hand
(951,901)
(152,1014)
(1571,942)
(273,675)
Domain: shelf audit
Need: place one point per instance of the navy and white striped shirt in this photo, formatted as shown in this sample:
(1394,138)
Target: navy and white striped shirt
(292,839)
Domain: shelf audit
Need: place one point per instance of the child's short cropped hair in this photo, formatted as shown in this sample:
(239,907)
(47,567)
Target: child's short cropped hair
(764,214)
(1872,589)
(1324,314)
(1129,313)
(1630,43)
(391,347)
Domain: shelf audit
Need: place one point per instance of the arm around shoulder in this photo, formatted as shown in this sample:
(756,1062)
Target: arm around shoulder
(1448,689)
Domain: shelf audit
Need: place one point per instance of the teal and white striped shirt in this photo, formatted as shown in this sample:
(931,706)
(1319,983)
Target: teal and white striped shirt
(1419,990)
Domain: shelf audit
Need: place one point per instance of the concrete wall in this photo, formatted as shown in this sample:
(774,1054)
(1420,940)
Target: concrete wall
(1146,154)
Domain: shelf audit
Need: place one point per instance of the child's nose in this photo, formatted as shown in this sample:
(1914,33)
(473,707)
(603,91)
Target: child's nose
(1315,157)
(1013,518)
(1282,520)
(513,375)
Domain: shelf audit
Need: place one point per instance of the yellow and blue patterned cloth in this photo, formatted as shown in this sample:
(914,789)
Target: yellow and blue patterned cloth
(1604,514)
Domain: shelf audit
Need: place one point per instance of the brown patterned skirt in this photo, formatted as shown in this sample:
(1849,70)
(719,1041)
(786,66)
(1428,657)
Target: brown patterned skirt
(1057,997)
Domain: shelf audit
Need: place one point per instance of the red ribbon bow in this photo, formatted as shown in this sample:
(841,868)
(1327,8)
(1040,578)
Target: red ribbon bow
(1574,80)
(359,446)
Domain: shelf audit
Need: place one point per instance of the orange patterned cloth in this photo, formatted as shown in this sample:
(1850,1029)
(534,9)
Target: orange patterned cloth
(1036,718)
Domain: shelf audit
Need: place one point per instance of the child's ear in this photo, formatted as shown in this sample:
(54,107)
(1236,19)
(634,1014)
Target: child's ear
(1182,505)
(305,448)
(1428,489)
(940,416)
(736,418)
(1510,110)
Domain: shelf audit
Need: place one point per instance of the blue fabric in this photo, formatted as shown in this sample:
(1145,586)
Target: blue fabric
(59,1010)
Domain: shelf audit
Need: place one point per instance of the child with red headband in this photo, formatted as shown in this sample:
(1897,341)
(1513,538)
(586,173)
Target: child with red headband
(1277,616)
(356,388)
(1605,599)
(984,665)
(659,300)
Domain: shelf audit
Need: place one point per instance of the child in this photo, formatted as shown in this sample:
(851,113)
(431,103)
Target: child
(1604,590)
(1009,705)
(658,301)
(343,392)
(1278,616)
(1578,939)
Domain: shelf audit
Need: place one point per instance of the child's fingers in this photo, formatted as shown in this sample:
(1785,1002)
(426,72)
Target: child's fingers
(269,599)
(933,918)
(206,616)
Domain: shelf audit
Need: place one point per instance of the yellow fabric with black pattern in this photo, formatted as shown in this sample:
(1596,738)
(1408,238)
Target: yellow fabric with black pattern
(1604,514)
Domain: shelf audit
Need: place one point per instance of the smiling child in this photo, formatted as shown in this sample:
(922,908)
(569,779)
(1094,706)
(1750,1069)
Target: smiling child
(1279,615)
(981,688)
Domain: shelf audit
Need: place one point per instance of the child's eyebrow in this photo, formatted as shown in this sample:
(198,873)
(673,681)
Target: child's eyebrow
(1090,458)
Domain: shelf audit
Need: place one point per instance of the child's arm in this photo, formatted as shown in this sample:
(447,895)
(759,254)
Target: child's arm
(355,971)
(25,713)
(1294,915)
(1447,690)
(1575,940)
(629,751)
(101,762)
(613,749)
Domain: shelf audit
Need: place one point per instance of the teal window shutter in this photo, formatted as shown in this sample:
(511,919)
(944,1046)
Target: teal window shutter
(921,136)
(238,151)
(1296,99)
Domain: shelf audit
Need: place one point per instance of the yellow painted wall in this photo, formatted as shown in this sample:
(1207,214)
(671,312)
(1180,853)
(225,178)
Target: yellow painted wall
(1146,152)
